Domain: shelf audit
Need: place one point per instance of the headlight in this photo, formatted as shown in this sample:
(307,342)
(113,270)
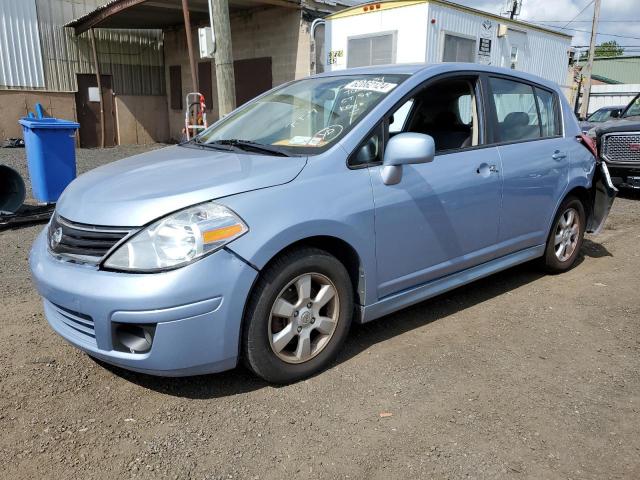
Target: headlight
(178,239)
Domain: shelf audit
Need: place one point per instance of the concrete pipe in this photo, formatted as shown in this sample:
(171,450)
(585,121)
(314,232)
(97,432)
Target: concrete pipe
(12,190)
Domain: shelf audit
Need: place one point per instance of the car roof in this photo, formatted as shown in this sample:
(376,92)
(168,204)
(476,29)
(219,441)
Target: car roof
(437,68)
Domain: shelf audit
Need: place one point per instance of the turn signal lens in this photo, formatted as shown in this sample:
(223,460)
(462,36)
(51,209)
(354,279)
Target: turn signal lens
(223,233)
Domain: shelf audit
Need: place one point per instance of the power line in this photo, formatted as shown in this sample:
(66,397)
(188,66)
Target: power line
(579,13)
(589,31)
(581,21)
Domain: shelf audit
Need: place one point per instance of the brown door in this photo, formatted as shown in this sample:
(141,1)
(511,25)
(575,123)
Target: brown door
(88,109)
(253,77)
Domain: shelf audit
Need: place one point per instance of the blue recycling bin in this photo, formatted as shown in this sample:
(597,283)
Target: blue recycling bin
(51,155)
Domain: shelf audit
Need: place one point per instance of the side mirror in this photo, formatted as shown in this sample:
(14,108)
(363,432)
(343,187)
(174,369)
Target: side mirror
(615,113)
(405,149)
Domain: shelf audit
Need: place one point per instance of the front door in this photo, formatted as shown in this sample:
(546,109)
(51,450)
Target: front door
(443,216)
(88,111)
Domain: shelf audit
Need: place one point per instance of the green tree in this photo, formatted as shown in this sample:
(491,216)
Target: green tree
(609,49)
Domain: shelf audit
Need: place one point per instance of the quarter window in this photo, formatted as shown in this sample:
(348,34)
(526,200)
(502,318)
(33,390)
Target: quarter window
(548,113)
(516,110)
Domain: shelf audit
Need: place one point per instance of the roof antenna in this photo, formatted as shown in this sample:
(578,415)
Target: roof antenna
(512,8)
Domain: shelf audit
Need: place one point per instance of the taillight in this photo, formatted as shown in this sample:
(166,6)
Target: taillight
(589,142)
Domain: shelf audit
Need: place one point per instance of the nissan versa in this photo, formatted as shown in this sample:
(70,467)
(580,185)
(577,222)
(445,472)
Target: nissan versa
(337,198)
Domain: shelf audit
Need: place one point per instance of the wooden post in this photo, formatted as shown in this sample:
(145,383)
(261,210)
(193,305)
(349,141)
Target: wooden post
(225,79)
(96,65)
(192,59)
(584,108)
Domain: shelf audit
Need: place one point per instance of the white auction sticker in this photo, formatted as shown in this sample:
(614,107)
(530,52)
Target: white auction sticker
(371,86)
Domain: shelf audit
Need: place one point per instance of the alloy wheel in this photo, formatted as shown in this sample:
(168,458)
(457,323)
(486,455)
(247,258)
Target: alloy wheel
(303,318)
(567,234)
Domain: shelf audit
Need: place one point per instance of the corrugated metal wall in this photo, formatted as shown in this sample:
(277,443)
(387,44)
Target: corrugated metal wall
(622,69)
(540,53)
(134,58)
(612,95)
(20,59)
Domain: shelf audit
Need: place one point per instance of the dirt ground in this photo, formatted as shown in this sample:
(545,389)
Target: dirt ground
(519,375)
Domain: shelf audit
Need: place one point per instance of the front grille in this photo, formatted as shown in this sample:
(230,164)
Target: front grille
(81,325)
(81,242)
(621,147)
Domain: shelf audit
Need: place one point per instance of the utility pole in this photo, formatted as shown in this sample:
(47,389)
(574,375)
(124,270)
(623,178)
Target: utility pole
(192,58)
(589,68)
(225,78)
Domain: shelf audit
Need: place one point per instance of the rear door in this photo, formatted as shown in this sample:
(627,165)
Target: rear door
(527,128)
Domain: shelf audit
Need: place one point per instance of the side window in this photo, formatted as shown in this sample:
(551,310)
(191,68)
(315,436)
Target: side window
(447,111)
(516,110)
(369,151)
(399,118)
(548,113)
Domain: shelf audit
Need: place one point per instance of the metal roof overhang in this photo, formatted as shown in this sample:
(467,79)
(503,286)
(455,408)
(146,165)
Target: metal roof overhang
(159,14)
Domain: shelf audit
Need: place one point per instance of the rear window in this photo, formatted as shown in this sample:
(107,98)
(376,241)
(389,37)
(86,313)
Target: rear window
(523,112)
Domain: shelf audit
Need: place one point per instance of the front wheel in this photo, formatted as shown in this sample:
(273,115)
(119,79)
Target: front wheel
(298,316)
(565,238)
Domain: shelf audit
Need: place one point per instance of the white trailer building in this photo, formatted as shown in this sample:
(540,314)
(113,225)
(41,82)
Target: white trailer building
(440,31)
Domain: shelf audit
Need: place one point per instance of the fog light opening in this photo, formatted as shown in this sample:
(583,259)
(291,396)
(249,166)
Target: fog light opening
(133,338)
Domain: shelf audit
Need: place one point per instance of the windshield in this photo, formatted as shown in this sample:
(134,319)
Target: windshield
(633,110)
(601,115)
(304,117)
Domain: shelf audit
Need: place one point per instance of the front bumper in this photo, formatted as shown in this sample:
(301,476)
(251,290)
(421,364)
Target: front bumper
(197,310)
(625,175)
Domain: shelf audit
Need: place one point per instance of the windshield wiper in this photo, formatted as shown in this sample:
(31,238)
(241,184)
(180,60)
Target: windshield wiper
(214,146)
(248,145)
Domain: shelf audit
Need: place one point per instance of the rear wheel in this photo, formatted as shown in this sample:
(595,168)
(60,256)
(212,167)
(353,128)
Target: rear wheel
(298,316)
(565,238)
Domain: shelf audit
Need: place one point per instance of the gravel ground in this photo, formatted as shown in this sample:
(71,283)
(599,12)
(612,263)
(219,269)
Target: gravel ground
(516,376)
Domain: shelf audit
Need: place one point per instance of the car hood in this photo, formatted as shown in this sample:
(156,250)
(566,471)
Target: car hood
(134,191)
(611,125)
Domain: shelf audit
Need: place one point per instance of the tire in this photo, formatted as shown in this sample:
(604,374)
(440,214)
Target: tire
(556,259)
(287,334)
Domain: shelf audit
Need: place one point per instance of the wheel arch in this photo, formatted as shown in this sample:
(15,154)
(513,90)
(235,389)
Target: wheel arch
(339,248)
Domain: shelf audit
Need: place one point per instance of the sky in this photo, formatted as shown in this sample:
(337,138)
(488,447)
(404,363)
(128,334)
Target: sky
(560,12)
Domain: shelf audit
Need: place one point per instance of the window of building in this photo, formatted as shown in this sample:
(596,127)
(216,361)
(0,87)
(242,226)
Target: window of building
(514,56)
(371,50)
(175,87)
(204,83)
(458,49)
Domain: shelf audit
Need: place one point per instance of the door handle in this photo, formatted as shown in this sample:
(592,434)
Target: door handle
(558,155)
(485,169)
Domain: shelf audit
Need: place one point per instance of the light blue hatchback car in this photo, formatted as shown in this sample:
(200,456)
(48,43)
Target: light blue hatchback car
(337,198)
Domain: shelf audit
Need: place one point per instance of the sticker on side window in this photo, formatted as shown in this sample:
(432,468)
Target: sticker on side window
(371,86)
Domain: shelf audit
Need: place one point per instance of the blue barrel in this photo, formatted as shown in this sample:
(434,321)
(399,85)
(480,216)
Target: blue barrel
(51,155)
